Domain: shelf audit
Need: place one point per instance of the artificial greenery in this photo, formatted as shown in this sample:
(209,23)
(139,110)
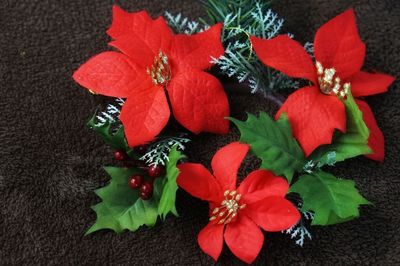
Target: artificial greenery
(273,142)
(350,144)
(158,151)
(241,19)
(112,135)
(182,24)
(218,10)
(110,114)
(299,232)
(312,165)
(331,199)
(121,207)
(168,197)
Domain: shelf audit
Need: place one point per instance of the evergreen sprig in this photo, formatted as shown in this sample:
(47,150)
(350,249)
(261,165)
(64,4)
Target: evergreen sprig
(299,232)
(181,24)
(158,151)
(110,114)
(242,20)
(218,10)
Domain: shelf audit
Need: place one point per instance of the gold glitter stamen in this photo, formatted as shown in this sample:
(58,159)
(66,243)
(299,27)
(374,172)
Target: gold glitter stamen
(330,83)
(160,71)
(229,208)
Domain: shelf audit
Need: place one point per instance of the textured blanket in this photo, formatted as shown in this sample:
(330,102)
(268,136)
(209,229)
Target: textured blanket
(50,162)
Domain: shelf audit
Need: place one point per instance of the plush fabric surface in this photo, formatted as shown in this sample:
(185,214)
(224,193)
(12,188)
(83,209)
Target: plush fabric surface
(50,161)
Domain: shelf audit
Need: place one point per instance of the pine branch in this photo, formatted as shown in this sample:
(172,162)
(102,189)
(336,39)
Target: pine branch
(299,231)
(181,24)
(309,47)
(242,19)
(110,114)
(311,166)
(218,10)
(159,150)
(239,60)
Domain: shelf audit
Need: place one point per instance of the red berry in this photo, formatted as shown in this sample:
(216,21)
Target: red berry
(155,171)
(120,155)
(146,187)
(135,181)
(146,196)
(146,191)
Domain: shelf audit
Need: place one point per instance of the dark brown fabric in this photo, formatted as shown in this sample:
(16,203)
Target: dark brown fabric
(50,162)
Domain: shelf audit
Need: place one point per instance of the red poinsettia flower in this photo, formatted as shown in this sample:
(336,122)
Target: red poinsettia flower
(316,111)
(236,213)
(156,69)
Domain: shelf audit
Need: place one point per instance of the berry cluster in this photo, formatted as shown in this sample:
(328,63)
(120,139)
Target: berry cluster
(138,181)
(146,187)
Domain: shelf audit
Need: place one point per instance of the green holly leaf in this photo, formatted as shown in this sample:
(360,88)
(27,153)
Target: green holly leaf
(332,200)
(168,197)
(113,137)
(351,144)
(273,142)
(121,208)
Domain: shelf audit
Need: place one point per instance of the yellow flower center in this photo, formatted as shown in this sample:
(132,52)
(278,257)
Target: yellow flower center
(330,83)
(160,71)
(229,208)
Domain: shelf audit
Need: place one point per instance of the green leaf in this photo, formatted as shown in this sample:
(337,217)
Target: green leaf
(273,142)
(332,200)
(121,208)
(351,144)
(167,201)
(116,139)
(218,10)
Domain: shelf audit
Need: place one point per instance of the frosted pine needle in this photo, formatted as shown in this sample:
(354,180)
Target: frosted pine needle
(110,114)
(158,151)
(299,231)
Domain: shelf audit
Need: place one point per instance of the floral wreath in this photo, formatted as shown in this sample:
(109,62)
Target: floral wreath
(158,75)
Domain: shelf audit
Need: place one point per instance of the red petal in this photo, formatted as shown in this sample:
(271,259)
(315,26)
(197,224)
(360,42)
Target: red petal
(226,163)
(260,184)
(144,115)
(199,102)
(338,45)
(159,36)
(376,140)
(365,84)
(244,238)
(285,55)
(155,38)
(153,34)
(197,181)
(197,50)
(110,74)
(211,240)
(124,22)
(313,117)
(273,214)
(137,50)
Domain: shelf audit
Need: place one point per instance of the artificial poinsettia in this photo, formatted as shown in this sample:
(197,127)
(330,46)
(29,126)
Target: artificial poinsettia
(155,69)
(237,213)
(317,110)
